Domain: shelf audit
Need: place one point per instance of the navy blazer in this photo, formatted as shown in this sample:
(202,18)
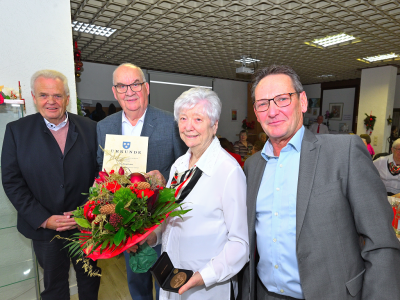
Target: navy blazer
(38,179)
(165,144)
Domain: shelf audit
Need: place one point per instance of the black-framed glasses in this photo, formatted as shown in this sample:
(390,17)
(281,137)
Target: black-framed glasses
(123,88)
(281,100)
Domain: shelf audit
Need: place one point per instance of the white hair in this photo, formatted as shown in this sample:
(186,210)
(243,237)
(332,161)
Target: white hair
(50,74)
(395,143)
(212,105)
(132,66)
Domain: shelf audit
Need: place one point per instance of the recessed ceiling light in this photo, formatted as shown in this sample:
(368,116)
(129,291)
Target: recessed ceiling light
(379,57)
(92,29)
(247,60)
(325,76)
(332,40)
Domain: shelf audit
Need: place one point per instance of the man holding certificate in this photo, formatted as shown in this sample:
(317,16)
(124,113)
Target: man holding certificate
(137,118)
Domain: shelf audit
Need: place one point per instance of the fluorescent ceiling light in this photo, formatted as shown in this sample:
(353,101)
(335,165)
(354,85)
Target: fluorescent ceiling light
(92,29)
(333,40)
(325,76)
(182,84)
(247,60)
(380,57)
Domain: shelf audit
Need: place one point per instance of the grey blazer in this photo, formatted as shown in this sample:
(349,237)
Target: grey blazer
(340,197)
(165,145)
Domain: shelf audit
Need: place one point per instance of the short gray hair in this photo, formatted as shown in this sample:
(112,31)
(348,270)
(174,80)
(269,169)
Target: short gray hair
(395,143)
(192,97)
(275,70)
(50,74)
(132,66)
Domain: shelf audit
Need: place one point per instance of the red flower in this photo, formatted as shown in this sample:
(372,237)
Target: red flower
(102,176)
(88,211)
(146,192)
(112,186)
(112,172)
(121,171)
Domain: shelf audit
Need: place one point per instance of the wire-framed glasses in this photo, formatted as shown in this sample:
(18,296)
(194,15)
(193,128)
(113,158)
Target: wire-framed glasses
(123,88)
(281,100)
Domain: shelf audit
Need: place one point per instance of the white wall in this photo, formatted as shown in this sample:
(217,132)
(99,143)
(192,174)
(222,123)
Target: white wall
(233,95)
(345,96)
(396,103)
(313,90)
(37,36)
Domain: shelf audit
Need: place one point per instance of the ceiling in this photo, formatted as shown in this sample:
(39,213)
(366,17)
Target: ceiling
(205,37)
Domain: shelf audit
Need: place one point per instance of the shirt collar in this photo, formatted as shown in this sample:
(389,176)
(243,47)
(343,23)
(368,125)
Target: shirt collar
(206,162)
(56,127)
(125,119)
(294,143)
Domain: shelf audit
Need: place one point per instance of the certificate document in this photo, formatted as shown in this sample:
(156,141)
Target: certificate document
(127,151)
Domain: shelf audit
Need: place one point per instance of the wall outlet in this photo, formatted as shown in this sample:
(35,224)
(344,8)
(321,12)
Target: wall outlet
(375,141)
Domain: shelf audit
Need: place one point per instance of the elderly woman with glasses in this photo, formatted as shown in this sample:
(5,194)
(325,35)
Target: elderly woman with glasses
(389,169)
(211,239)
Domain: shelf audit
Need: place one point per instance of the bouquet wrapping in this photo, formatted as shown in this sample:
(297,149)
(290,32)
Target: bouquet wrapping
(121,211)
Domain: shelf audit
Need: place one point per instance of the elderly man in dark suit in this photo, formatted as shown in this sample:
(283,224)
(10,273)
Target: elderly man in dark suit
(310,198)
(137,118)
(48,160)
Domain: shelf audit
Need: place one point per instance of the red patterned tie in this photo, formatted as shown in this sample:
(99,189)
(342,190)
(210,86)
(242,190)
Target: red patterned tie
(318,129)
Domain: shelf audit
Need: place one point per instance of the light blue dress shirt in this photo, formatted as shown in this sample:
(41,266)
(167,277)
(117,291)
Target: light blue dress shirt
(59,126)
(276,219)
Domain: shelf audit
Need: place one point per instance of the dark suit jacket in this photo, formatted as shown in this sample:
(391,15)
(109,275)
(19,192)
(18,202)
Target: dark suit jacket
(38,179)
(165,144)
(340,197)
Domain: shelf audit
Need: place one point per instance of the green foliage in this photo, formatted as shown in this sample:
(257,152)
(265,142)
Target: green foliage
(83,222)
(123,195)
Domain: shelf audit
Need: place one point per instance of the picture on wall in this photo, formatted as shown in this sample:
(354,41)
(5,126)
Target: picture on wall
(234,114)
(314,102)
(337,110)
(315,111)
(343,127)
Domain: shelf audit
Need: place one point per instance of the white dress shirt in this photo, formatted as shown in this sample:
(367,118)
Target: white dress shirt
(212,238)
(323,129)
(392,183)
(129,129)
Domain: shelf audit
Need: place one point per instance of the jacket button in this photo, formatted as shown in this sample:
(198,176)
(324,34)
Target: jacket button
(62,186)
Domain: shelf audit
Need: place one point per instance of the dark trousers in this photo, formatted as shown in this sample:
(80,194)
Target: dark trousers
(141,285)
(56,263)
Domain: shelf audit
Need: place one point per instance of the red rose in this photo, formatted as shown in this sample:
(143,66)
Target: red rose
(102,176)
(146,192)
(112,186)
(121,171)
(88,211)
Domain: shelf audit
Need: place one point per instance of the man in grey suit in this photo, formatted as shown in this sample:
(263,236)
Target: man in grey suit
(137,118)
(310,198)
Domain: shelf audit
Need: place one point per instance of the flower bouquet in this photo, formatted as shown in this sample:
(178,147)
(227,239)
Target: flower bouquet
(121,211)
(248,125)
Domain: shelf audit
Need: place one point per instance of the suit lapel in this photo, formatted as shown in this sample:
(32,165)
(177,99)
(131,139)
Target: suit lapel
(149,123)
(253,186)
(308,162)
(72,136)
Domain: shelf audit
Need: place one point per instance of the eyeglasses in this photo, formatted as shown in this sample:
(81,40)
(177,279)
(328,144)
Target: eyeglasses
(397,149)
(279,100)
(123,88)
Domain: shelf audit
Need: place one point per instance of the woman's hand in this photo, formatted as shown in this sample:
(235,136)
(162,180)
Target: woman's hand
(195,280)
(151,239)
(158,175)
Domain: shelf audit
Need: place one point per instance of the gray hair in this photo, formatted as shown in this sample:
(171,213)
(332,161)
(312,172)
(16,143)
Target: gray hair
(50,74)
(395,143)
(275,70)
(132,66)
(192,97)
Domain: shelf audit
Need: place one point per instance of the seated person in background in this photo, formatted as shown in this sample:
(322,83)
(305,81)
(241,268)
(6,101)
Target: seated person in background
(319,128)
(389,169)
(241,147)
(262,137)
(227,145)
(257,147)
(367,138)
